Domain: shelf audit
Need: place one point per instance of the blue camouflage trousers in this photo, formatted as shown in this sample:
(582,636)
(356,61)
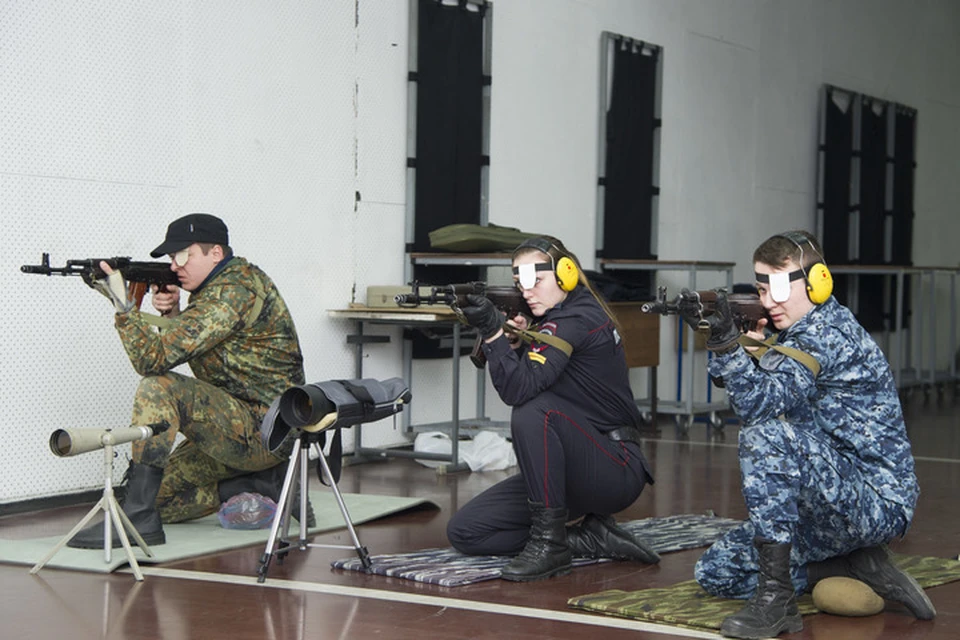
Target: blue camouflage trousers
(800,490)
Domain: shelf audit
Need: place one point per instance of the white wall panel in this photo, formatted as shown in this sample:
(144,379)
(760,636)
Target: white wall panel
(544,104)
(88,150)
(788,62)
(719,153)
(941,48)
(269,141)
(865,45)
(381,104)
(88,92)
(937,188)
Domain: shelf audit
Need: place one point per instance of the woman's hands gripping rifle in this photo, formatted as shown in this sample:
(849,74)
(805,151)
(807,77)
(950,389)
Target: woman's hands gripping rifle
(482,315)
(476,304)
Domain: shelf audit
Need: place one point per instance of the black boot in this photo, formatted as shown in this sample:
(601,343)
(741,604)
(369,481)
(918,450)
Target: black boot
(773,609)
(873,567)
(268,483)
(546,553)
(139,503)
(599,537)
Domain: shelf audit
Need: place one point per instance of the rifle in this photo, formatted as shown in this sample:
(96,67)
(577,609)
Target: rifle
(745,307)
(506,298)
(139,275)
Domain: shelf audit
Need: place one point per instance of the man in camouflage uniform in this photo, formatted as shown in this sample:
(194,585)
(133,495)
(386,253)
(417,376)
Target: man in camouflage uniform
(826,466)
(240,342)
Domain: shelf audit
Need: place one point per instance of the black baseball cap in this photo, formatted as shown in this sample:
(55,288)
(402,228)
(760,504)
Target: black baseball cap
(195,227)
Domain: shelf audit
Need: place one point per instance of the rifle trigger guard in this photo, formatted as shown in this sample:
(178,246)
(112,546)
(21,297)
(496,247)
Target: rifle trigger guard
(702,324)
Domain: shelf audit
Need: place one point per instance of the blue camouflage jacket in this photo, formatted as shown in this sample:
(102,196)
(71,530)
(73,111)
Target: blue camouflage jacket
(853,400)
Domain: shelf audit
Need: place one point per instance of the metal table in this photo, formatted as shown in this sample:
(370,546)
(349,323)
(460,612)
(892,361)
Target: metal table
(413,318)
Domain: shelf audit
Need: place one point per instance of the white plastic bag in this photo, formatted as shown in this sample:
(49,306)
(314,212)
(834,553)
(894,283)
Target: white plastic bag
(488,451)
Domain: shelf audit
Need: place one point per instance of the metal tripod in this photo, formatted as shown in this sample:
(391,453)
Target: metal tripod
(297,473)
(113,516)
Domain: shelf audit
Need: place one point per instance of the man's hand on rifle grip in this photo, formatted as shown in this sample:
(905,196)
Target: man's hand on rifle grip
(166,299)
(757,333)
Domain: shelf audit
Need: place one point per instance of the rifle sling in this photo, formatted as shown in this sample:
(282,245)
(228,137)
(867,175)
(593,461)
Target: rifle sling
(162,322)
(546,338)
(802,357)
(158,321)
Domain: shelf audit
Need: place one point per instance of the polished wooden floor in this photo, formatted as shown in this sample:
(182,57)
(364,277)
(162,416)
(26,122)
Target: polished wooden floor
(218,596)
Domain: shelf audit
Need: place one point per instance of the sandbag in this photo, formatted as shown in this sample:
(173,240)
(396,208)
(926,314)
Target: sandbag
(475,238)
(846,597)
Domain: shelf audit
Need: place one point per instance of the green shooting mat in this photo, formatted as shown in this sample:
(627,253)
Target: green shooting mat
(687,605)
(205,536)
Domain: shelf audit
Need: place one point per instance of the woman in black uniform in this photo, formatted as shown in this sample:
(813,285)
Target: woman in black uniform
(574,426)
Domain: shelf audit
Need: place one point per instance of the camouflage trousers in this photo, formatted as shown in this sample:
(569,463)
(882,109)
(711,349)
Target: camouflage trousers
(222,441)
(798,490)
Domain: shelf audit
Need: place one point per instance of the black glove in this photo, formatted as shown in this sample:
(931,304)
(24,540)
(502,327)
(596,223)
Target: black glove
(724,332)
(481,314)
(690,309)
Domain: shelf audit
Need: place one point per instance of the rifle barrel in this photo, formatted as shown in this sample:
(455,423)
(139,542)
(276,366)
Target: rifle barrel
(147,272)
(36,268)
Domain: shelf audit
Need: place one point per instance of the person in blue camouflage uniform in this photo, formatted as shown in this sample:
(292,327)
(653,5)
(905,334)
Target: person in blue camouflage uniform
(574,427)
(239,340)
(826,466)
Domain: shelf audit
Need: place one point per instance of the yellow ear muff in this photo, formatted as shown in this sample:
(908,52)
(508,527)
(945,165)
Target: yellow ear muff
(568,276)
(819,283)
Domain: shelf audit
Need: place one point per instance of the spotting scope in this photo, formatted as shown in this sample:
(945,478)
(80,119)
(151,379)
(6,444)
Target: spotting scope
(71,442)
(332,404)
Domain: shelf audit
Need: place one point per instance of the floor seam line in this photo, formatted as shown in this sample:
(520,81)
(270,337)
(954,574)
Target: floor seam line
(429,600)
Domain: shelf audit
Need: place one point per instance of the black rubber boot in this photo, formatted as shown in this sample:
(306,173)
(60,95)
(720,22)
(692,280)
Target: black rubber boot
(773,609)
(546,553)
(268,483)
(599,537)
(139,503)
(873,567)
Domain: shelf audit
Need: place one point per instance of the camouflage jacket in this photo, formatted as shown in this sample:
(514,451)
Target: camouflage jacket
(254,359)
(853,400)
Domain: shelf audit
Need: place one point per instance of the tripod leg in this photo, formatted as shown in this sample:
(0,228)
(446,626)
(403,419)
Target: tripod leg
(129,527)
(115,514)
(285,508)
(102,504)
(362,552)
(282,515)
(304,483)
